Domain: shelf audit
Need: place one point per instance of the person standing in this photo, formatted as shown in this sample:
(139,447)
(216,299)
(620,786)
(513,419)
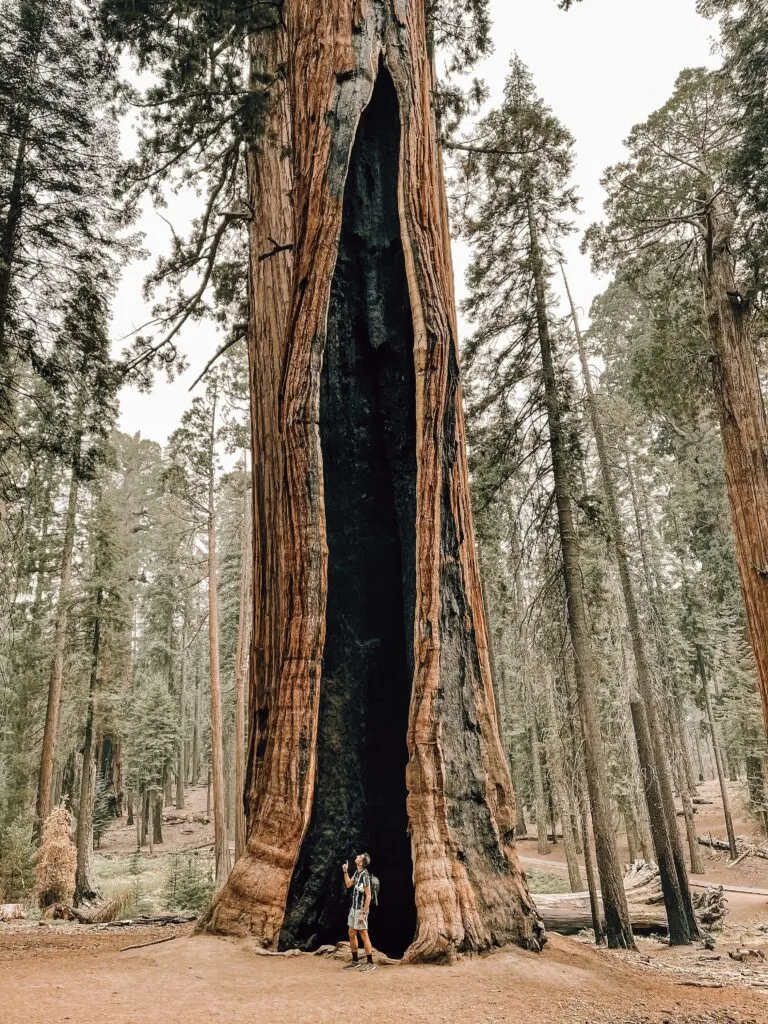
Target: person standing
(357,921)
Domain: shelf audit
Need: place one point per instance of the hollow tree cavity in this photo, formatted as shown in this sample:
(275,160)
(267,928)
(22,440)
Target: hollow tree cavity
(373,720)
(368,443)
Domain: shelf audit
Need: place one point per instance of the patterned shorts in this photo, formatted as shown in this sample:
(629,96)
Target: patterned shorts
(357,920)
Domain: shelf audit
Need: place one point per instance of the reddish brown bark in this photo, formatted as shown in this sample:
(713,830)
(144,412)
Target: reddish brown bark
(744,431)
(469,889)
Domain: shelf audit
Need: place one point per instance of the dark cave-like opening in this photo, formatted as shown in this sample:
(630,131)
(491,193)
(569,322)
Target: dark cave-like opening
(368,439)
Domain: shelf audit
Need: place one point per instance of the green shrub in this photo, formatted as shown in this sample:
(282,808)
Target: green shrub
(17,868)
(102,810)
(190,883)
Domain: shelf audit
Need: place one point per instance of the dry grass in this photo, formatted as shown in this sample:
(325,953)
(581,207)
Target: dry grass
(56,861)
(112,909)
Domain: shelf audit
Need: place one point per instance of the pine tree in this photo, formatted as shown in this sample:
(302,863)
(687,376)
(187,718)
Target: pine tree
(652,746)
(79,424)
(671,209)
(57,167)
(193,477)
(514,218)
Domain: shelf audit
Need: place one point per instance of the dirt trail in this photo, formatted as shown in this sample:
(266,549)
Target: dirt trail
(202,980)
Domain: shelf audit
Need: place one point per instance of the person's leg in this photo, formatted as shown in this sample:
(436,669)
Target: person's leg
(353,946)
(369,965)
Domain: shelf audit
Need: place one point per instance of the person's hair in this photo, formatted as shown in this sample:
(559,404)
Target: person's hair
(366,859)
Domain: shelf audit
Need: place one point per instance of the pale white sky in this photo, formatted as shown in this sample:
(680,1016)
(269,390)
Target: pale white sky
(602,67)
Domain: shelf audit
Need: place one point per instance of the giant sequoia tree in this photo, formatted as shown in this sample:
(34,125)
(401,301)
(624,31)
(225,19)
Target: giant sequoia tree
(373,717)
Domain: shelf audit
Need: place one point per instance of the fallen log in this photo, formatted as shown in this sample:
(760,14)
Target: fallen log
(569,913)
(63,912)
(12,911)
(186,819)
(159,919)
(744,847)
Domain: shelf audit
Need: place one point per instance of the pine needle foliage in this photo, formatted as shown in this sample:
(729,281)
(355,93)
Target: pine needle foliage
(190,884)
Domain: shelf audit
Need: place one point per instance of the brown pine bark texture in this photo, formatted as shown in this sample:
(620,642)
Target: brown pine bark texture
(469,889)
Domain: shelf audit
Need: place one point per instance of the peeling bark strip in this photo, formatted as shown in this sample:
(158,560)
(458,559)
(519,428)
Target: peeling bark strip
(469,889)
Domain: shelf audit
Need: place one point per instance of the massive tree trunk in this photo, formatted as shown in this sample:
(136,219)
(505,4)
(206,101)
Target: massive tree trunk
(51,730)
(744,431)
(373,721)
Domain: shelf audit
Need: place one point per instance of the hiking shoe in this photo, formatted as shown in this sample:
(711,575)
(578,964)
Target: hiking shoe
(368,967)
(350,964)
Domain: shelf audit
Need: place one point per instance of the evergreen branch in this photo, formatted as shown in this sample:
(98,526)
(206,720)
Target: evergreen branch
(238,333)
(192,303)
(487,150)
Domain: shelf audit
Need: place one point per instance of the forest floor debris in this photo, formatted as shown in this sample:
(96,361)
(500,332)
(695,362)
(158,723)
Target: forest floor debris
(84,973)
(88,979)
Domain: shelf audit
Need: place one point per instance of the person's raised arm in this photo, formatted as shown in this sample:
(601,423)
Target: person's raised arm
(347,880)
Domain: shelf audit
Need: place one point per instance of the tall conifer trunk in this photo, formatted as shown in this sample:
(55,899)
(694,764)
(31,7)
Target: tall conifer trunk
(220,841)
(373,720)
(618,927)
(729,830)
(649,735)
(181,753)
(564,797)
(85,881)
(8,244)
(51,729)
(245,619)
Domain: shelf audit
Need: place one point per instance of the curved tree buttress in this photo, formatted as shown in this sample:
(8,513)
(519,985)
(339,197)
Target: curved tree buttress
(373,724)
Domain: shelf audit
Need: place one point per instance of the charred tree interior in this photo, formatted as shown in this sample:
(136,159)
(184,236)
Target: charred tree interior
(368,440)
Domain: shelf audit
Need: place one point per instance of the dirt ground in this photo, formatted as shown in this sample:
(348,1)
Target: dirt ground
(64,972)
(202,980)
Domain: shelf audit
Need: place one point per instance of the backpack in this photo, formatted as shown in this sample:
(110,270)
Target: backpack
(375,886)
